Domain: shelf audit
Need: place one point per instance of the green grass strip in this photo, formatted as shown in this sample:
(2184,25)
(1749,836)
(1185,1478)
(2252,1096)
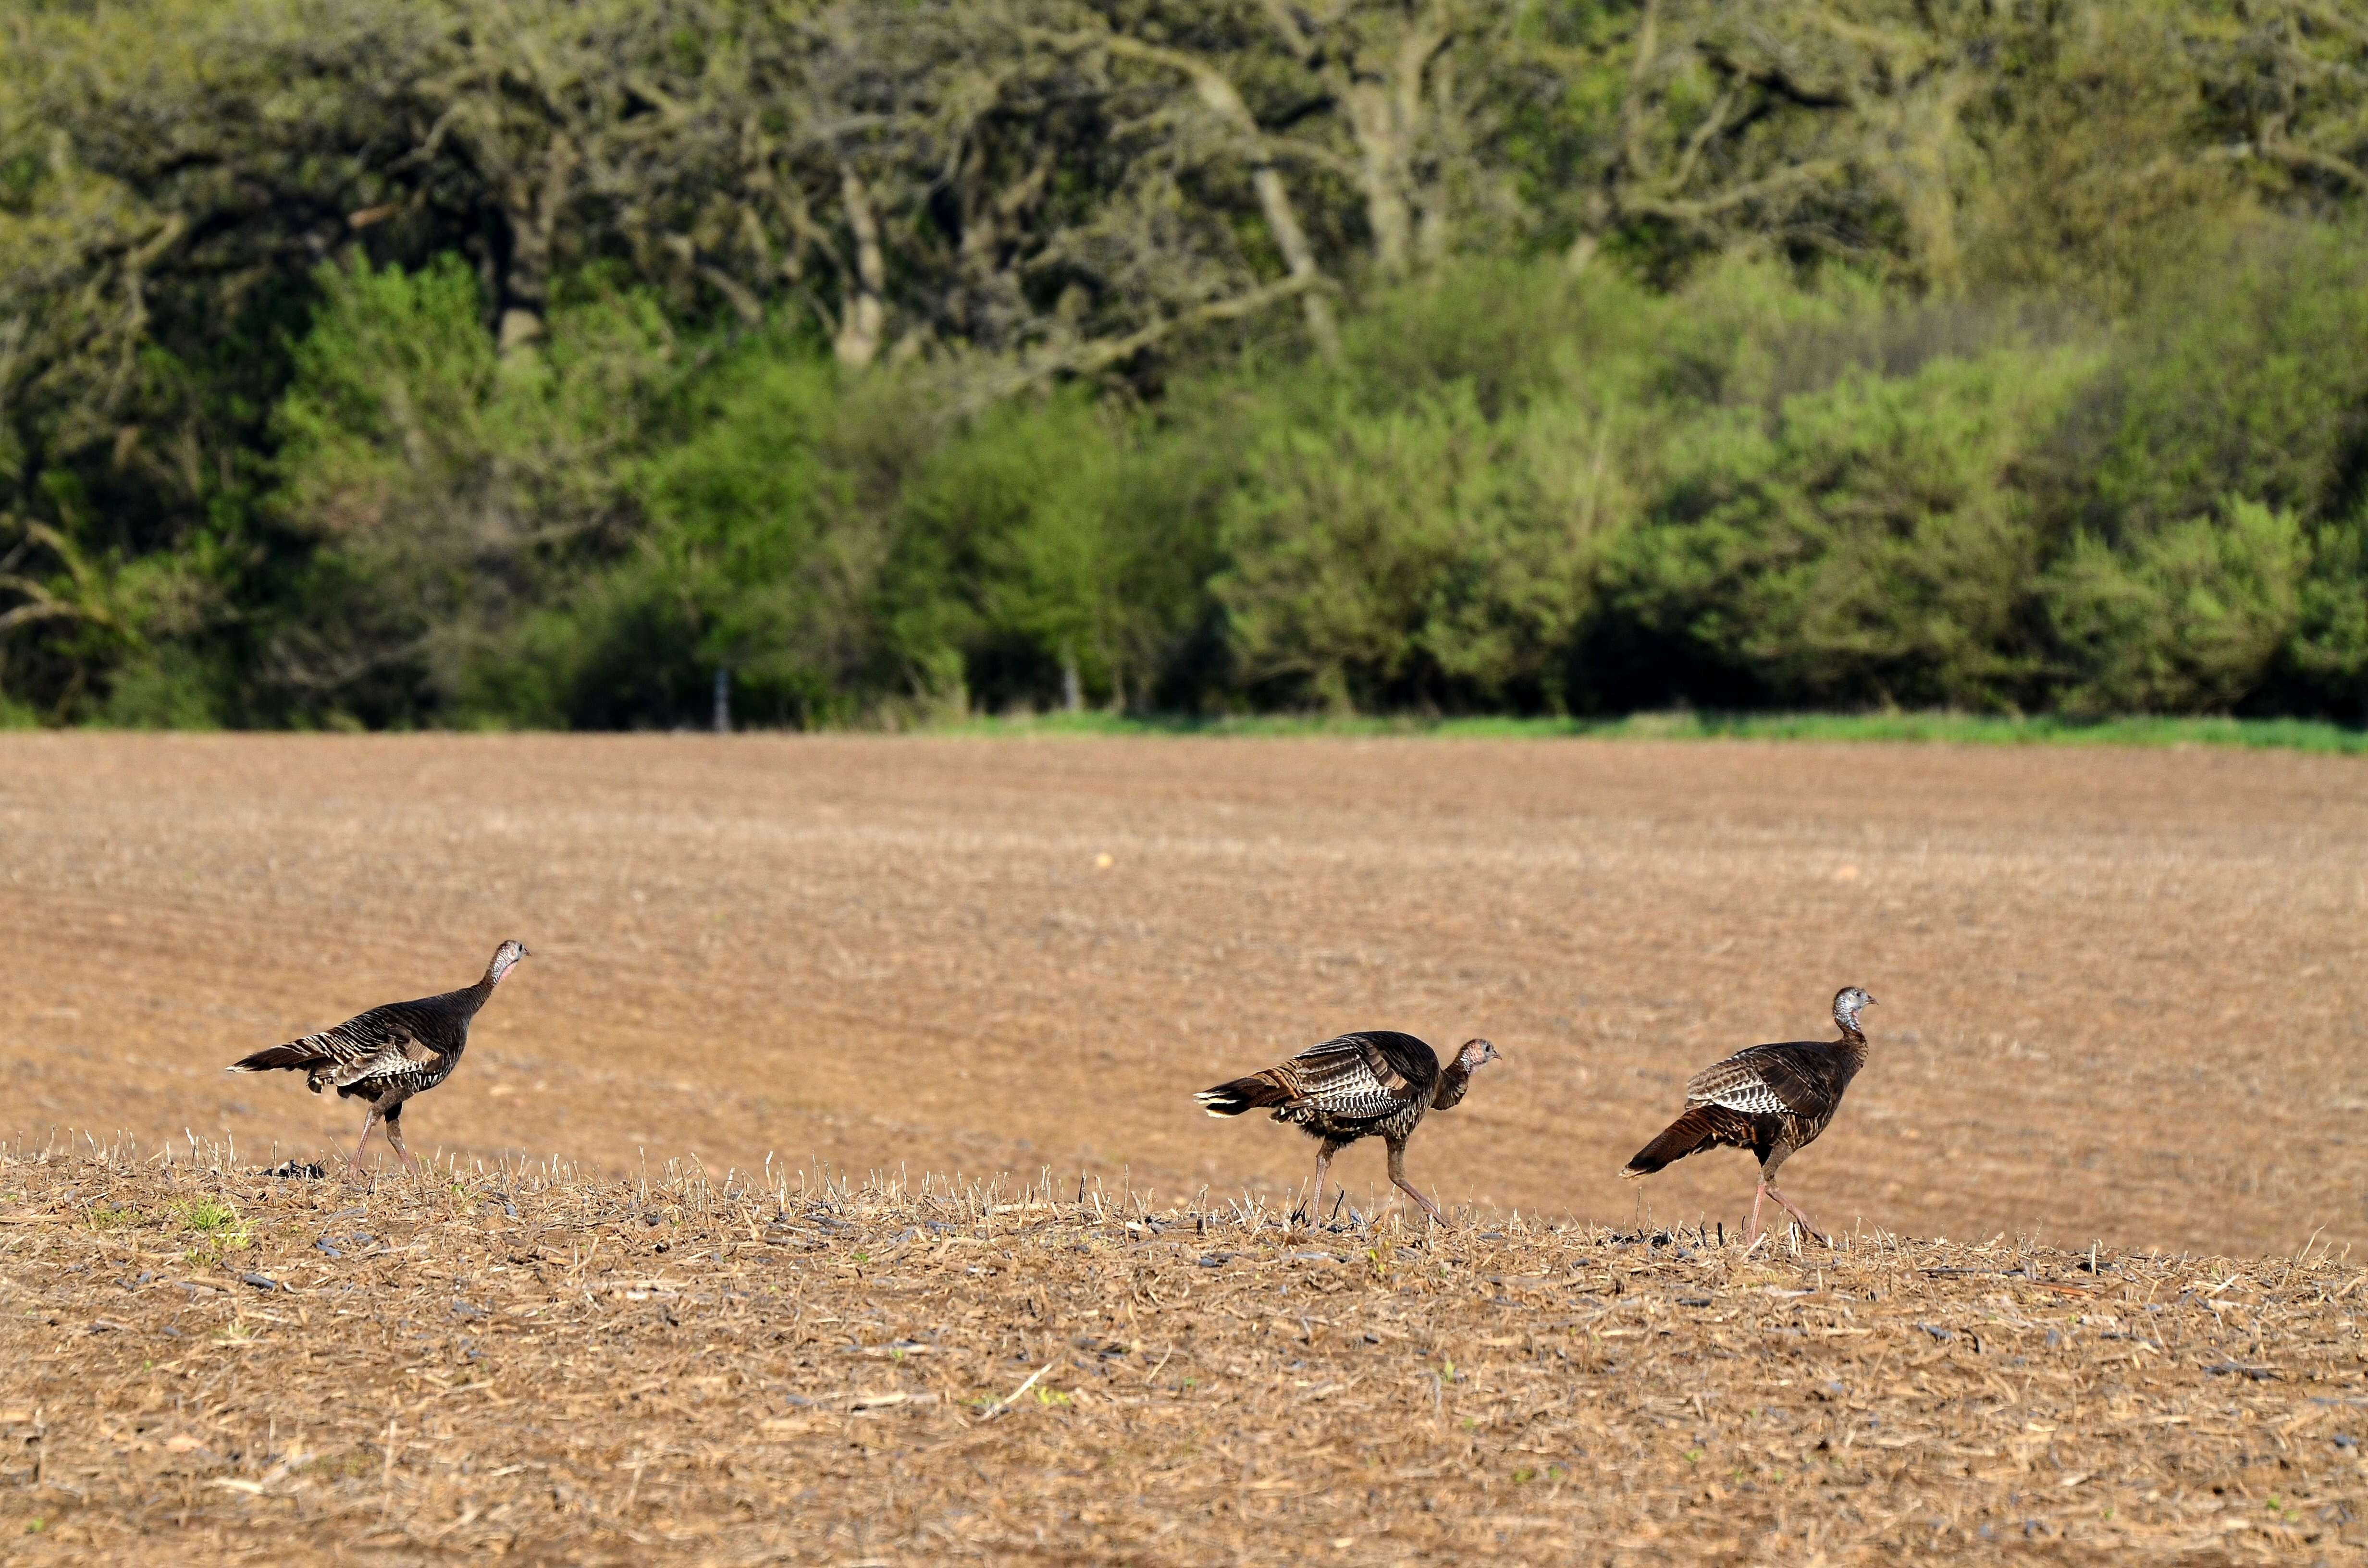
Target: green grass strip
(1959,729)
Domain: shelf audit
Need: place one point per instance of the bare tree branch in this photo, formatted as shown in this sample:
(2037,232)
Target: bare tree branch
(1085,358)
(1224,100)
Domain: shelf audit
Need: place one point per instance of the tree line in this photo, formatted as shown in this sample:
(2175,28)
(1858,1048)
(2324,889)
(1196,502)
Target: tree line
(403,362)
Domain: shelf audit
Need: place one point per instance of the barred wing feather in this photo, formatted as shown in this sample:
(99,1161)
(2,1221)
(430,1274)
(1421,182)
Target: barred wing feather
(1368,1074)
(404,1055)
(385,1039)
(342,1048)
(1762,1081)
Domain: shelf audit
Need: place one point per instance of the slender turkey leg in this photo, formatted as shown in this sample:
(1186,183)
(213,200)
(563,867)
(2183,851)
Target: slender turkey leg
(394,1137)
(1398,1180)
(1315,1199)
(1751,1231)
(1806,1224)
(369,1121)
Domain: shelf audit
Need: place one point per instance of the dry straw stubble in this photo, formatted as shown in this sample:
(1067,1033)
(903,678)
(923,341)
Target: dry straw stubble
(204,1363)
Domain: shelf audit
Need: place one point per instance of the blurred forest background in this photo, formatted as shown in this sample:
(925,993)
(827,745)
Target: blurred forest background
(512,362)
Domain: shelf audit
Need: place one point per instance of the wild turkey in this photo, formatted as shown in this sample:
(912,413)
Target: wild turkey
(1770,1099)
(388,1054)
(1373,1080)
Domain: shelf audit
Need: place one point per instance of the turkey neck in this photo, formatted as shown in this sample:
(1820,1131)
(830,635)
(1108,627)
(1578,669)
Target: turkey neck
(1453,1080)
(498,966)
(477,995)
(1850,1048)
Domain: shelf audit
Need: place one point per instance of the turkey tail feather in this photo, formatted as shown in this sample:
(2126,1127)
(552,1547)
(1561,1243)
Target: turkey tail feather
(1689,1134)
(1244,1094)
(291,1055)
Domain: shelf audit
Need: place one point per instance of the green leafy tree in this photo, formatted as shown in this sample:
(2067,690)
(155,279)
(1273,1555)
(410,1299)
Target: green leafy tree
(443,482)
(1869,544)
(1423,555)
(2186,620)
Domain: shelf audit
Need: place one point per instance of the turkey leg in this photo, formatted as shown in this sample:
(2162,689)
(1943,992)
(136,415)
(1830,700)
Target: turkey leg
(369,1120)
(1398,1180)
(1315,1200)
(394,1137)
(1793,1209)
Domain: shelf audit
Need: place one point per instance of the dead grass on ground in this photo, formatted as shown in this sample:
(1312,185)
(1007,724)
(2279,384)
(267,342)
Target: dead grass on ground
(205,1363)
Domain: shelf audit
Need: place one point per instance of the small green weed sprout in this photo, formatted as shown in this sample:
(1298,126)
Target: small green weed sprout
(220,1229)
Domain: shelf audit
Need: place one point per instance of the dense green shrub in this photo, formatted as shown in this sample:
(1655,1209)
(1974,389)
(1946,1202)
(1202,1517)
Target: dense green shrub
(1425,555)
(2324,666)
(1513,490)
(446,488)
(1866,544)
(1506,334)
(2186,620)
(2247,375)
(978,604)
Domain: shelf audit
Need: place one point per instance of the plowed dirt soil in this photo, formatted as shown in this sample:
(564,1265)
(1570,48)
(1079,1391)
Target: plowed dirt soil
(2121,993)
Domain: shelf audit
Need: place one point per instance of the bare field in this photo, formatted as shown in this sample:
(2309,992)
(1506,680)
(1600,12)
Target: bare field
(2121,992)
(2120,999)
(208,1365)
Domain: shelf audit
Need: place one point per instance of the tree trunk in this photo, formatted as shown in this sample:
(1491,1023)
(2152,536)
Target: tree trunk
(863,316)
(1298,255)
(1926,138)
(1274,200)
(1383,169)
(1216,90)
(1390,118)
(534,211)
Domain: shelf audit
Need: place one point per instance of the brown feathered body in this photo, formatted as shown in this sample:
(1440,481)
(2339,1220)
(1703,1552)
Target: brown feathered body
(1374,1082)
(1771,1099)
(387,1055)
